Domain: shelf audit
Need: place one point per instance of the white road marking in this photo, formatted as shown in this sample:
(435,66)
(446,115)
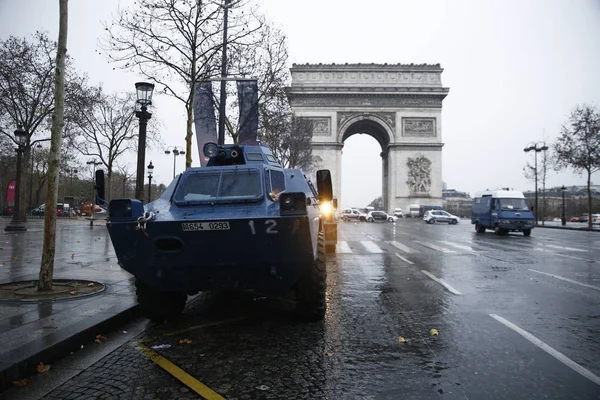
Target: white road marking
(436,248)
(554,353)
(371,247)
(402,247)
(343,247)
(563,255)
(442,282)
(372,238)
(404,259)
(566,279)
(565,248)
(460,246)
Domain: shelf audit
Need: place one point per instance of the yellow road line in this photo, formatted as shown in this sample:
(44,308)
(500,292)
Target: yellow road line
(194,328)
(180,374)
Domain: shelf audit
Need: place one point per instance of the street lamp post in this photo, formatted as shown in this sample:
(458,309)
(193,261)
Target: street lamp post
(71,171)
(176,151)
(150,171)
(17,224)
(93,163)
(39,146)
(536,150)
(563,218)
(144,99)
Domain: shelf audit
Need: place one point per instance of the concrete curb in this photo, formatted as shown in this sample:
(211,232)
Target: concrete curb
(24,359)
(568,228)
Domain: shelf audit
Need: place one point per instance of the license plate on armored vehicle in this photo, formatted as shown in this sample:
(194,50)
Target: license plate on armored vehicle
(205,226)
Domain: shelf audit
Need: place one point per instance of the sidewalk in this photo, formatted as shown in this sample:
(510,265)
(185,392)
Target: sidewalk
(45,331)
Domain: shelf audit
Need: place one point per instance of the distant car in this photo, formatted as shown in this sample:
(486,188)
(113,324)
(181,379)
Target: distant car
(595,218)
(352,214)
(373,216)
(574,219)
(556,219)
(398,213)
(433,216)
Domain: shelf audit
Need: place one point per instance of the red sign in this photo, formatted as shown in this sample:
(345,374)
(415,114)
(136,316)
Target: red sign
(10,192)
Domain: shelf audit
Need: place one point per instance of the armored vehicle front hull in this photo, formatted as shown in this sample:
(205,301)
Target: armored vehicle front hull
(267,254)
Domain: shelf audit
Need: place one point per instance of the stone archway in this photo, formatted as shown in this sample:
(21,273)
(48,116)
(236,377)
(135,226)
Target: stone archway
(399,105)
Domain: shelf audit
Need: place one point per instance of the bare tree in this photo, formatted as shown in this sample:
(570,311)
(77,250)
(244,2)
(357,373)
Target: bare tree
(289,138)
(578,146)
(105,130)
(177,44)
(49,246)
(267,61)
(27,92)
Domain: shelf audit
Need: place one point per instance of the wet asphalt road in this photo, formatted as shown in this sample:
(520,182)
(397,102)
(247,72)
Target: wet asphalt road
(389,281)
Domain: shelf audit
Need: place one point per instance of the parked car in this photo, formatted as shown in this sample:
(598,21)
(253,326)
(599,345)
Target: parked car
(433,216)
(398,213)
(373,216)
(574,219)
(595,218)
(352,214)
(584,218)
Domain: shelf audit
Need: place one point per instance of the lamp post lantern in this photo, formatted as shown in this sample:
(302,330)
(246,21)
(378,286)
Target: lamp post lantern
(176,152)
(563,218)
(536,150)
(144,99)
(17,224)
(150,171)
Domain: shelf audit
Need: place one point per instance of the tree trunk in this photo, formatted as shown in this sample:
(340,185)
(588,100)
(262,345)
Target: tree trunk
(589,193)
(47,266)
(190,121)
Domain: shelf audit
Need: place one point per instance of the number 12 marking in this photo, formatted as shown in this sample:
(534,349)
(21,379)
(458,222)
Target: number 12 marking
(271,226)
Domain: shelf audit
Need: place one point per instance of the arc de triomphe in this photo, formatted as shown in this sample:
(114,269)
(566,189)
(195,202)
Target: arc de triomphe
(400,105)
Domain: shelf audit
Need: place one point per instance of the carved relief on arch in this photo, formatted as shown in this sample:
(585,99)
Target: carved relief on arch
(386,119)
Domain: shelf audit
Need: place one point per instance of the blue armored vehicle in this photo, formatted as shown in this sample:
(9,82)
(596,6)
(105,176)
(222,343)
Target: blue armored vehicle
(240,223)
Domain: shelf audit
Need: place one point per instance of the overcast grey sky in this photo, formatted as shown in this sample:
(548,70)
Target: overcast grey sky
(515,69)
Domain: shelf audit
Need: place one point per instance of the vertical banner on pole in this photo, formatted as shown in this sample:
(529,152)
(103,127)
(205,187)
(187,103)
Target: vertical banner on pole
(248,99)
(204,118)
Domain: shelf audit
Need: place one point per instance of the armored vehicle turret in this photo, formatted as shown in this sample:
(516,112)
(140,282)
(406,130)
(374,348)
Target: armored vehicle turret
(241,223)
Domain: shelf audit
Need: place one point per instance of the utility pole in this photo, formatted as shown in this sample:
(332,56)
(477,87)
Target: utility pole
(223,98)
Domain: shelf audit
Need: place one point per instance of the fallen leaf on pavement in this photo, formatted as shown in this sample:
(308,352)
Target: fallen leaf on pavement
(182,341)
(401,339)
(328,353)
(73,256)
(20,382)
(73,292)
(100,338)
(41,367)
(263,387)
(14,257)
(434,332)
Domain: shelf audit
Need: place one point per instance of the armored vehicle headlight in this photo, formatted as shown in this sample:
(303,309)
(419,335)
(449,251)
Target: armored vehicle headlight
(326,208)
(211,149)
(292,203)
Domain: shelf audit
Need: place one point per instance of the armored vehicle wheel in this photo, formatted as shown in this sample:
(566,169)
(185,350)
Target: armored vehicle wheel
(310,290)
(159,306)
(479,228)
(527,232)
